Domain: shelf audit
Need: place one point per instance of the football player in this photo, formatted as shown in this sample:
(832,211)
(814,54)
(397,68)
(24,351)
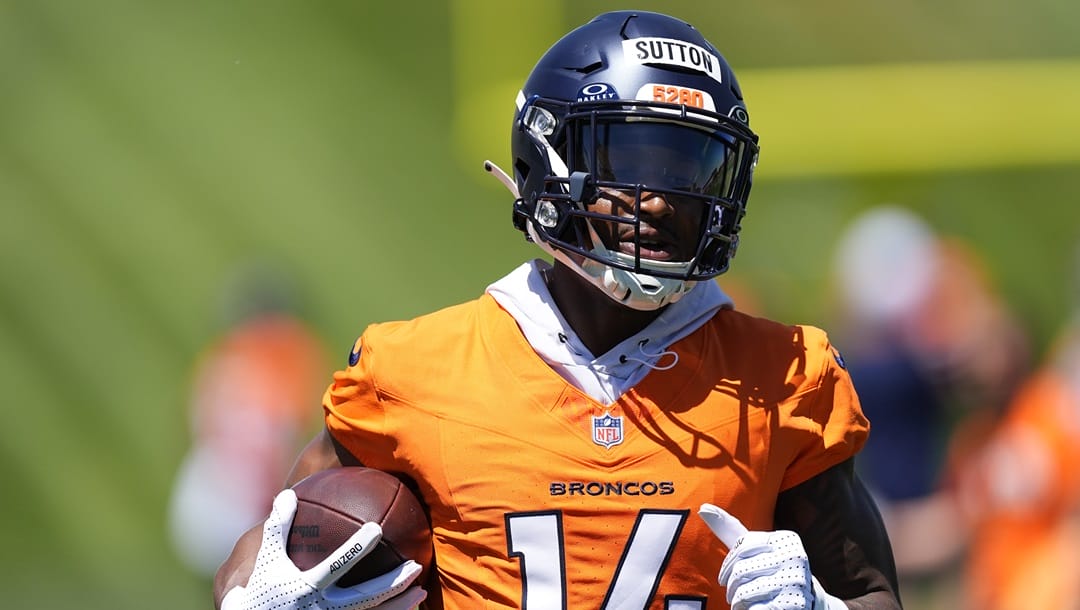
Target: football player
(564,428)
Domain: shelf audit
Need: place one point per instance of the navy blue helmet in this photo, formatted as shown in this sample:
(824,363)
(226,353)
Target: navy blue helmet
(632,102)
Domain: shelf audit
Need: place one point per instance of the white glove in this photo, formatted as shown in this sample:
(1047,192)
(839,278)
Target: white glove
(277,584)
(765,570)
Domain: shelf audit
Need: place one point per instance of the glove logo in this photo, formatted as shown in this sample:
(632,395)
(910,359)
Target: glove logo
(607,430)
(353,551)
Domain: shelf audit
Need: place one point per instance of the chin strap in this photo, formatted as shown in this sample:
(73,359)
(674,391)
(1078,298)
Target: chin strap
(635,290)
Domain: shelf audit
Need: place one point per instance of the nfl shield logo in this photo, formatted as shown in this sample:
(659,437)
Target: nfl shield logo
(607,430)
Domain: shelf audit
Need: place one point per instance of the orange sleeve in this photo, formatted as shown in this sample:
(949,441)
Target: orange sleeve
(827,424)
(353,411)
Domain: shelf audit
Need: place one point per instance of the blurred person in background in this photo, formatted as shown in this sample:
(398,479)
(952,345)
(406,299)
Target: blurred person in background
(1022,492)
(935,355)
(249,414)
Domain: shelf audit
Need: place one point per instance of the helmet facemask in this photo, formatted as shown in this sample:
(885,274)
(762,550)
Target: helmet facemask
(626,152)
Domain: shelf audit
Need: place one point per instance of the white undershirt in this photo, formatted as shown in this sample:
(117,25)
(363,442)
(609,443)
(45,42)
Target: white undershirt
(524,295)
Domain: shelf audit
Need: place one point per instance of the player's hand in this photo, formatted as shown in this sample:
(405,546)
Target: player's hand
(277,584)
(765,570)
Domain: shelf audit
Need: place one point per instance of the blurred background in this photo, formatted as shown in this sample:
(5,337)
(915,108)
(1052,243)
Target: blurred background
(168,171)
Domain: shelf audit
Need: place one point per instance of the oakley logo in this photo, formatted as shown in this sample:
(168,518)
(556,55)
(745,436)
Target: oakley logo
(595,92)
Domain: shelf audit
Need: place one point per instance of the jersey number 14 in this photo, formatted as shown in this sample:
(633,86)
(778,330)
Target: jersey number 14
(536,539)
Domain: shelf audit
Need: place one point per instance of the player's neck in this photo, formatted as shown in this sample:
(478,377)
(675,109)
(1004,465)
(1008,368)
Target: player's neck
(598,321)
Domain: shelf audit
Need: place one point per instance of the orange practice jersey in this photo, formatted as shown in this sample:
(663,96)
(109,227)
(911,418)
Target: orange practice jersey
(542,498)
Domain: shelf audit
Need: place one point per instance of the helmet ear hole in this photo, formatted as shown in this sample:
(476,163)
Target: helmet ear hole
(522,169)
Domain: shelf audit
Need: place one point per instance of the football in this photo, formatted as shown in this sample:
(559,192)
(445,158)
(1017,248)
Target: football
(333,504)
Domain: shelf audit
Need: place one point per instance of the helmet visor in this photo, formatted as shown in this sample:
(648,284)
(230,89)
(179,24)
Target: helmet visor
(656,155)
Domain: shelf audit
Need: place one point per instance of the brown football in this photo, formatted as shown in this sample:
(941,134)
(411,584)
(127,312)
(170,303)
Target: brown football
(333,504)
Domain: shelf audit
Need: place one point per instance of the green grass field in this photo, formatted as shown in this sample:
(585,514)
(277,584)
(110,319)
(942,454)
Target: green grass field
(146,151)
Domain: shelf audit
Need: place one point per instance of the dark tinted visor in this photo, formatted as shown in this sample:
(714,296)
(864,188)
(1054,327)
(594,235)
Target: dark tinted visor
(656,154)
